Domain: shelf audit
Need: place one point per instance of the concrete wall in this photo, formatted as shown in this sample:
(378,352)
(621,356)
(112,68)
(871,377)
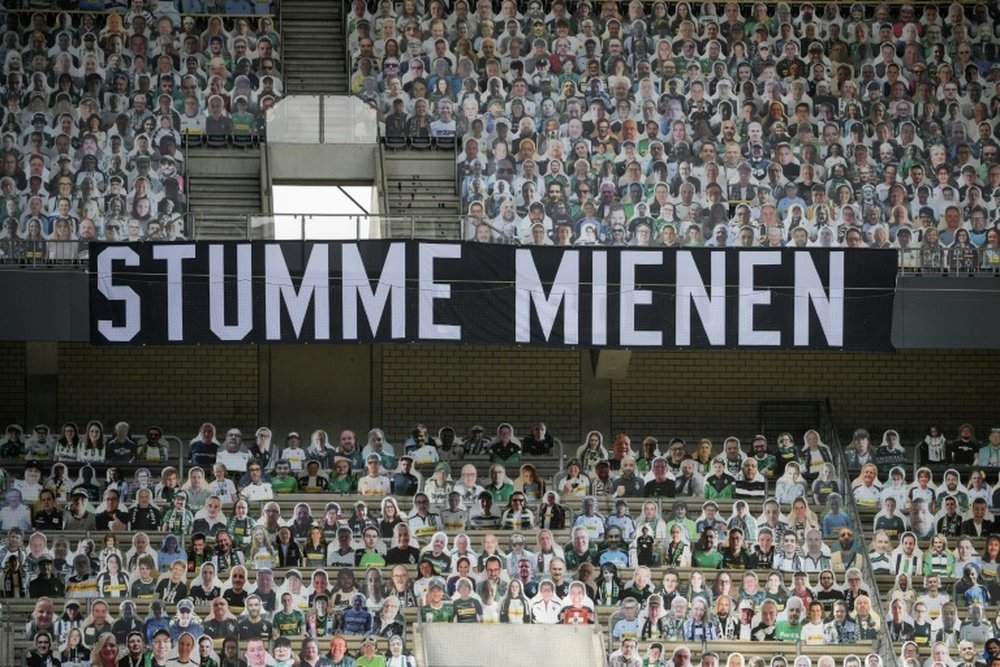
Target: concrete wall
(686,393)
(179,388)
(347,163)
(664,393)
(13,389)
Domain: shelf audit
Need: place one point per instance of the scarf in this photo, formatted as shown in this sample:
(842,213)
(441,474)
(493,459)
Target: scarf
(935,448)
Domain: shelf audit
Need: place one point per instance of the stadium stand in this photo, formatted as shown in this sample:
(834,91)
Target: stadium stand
(672,550)
(652,124)
(102,103)
(572,123)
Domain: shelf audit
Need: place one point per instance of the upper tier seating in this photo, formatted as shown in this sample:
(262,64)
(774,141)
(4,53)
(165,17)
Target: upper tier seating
(856,125)
(96,109)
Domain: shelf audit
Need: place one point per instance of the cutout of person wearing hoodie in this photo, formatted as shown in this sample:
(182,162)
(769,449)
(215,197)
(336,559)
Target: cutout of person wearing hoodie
(896,487)
(592,450)
(891,451)
(505,448)
(923,487)
(952,486)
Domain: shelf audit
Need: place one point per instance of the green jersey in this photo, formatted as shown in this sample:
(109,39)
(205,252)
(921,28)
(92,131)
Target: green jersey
(348,484)
(573,559)
(287,484)
(766,465)
(786,632)
(142,590)
(712,559)
(243,123)
(289,624)
(444,614)
(366,558)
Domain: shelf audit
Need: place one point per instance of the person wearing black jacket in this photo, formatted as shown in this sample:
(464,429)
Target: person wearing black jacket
(402,553)
(978,525)
(127,622)
(48,517)
(540,442)
(145,515)
(734,555)
(225,557)
(120,448)
(221,623)
(550,513)
(289,553)
(46,584)
(41,655)
(662,485)
(111,518)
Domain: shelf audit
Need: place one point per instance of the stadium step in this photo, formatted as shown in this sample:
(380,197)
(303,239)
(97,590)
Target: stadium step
(420,185)
(223,188)
(315,51)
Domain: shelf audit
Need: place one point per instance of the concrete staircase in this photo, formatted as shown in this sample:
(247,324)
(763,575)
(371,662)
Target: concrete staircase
(314,50)
(223,188)
(420,185)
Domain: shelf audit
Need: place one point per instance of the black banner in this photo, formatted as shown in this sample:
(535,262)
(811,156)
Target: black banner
(432,291)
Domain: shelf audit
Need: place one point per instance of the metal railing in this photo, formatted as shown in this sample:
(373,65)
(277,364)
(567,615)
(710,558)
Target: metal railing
(347,226)
(883,646)
(7,640)
(326,226)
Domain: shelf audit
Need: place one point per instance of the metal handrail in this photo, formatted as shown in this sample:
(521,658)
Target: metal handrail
(883,647)
(348,59)
(7,643)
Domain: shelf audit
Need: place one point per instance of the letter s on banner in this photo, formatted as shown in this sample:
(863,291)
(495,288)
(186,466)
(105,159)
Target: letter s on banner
(105,285)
